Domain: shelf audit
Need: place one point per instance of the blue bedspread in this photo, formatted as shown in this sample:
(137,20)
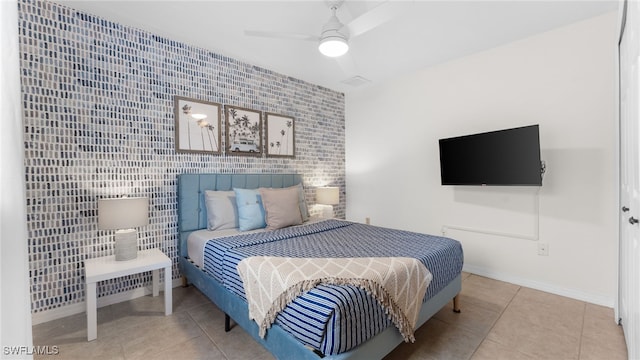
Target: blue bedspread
(334,319)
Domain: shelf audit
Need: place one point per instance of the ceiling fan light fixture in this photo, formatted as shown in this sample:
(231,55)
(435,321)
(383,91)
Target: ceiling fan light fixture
(333,45)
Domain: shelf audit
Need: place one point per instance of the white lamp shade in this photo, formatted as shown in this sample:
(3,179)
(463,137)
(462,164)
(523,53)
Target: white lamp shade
(123,213)
(328,195)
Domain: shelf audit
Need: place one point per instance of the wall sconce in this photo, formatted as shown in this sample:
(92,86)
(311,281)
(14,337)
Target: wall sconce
(123,214)
(328,196)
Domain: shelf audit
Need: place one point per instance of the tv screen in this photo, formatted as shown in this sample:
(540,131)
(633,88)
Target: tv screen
(504,157)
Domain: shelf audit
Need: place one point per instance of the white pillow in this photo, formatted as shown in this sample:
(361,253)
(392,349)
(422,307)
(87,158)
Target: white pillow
(222,211)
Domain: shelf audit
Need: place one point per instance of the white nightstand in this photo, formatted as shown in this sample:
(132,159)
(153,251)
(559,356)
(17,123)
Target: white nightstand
(105,268)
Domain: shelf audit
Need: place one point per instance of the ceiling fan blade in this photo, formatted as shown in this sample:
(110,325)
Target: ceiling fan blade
(375,17)
(281,35)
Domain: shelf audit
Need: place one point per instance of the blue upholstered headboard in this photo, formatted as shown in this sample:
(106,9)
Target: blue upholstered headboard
(192,214)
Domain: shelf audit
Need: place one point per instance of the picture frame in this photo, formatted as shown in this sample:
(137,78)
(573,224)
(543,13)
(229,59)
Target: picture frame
(280,135)
(243,133)
(198,126)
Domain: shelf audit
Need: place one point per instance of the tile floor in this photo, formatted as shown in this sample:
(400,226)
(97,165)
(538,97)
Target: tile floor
(498,321)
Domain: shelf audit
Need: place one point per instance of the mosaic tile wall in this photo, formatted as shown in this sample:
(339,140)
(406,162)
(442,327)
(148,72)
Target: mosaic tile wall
(99,121)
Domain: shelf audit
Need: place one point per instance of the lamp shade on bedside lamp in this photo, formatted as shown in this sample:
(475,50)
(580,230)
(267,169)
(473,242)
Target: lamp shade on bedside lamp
(123,214)
(329,196)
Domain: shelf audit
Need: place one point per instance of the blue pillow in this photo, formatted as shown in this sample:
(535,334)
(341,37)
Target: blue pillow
(250,209)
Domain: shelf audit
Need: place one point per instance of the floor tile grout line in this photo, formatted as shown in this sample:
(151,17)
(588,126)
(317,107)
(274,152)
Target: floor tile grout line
(495,322)
(584,315)
(207,335)
(186,341)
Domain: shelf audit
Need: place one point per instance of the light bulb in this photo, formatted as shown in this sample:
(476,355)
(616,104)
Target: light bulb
(333,46)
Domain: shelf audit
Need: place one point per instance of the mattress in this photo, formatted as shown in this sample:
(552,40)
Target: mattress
(330,319)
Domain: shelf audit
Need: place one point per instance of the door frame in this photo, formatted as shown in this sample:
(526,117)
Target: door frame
(621,22)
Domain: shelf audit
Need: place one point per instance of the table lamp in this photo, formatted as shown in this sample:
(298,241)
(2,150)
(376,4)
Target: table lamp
(123,214)
(329,196)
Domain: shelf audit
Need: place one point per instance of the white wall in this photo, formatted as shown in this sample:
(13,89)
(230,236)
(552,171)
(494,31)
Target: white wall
(15,309)
(563,80)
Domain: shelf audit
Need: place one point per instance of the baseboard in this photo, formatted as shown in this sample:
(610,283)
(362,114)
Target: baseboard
(550,288)
(64,311)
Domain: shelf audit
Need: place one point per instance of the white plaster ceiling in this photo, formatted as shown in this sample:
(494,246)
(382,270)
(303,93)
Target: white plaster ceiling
(424,34)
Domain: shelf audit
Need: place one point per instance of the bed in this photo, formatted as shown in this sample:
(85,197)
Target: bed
(289,337)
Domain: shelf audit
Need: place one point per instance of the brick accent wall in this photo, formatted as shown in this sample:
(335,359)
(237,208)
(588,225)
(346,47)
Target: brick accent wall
(99,122)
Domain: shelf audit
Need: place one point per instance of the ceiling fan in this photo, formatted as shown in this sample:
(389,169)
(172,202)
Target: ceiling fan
(333,40)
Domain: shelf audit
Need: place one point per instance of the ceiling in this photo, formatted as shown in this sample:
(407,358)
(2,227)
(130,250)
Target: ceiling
(424,33)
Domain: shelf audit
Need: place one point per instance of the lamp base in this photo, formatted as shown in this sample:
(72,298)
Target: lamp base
(126,244)
(327,212)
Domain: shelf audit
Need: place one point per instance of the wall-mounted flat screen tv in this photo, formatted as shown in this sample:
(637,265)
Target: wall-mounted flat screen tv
(503,157)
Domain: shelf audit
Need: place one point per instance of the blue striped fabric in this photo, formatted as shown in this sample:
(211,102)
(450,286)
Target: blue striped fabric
(334,319)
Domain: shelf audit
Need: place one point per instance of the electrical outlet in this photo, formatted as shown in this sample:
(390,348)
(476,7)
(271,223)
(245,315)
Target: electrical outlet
(543,249)
(367,220)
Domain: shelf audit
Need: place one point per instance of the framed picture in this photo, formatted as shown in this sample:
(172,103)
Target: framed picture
(280,135)
(243,131)
(198,126)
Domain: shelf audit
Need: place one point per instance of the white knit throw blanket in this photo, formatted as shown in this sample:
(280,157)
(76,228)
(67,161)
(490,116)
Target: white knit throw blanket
(397,283)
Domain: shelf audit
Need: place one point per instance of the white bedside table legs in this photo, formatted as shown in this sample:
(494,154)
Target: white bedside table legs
(107,267)
(168,306)
(92,309)
(168,302)
(155,289)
